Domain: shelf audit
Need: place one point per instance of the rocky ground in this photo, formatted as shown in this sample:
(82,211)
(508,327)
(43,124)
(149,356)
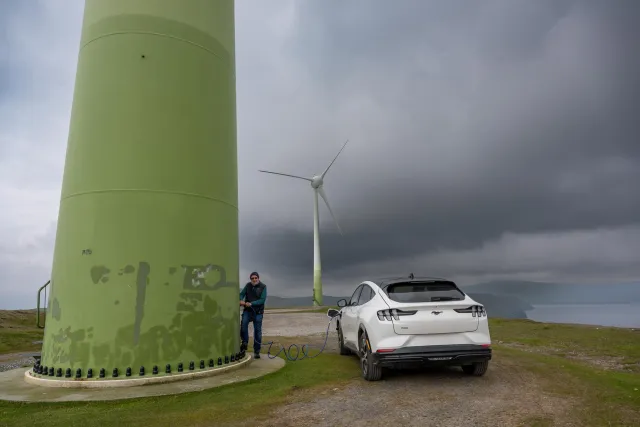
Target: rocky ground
(15,360)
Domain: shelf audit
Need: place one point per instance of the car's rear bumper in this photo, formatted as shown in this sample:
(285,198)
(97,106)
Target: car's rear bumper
(436,355)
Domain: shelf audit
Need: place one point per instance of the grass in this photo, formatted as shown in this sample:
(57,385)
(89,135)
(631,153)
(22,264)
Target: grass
(612,344)
(18,331)
(560,356)
(569,358)
(605,397)
(538,421)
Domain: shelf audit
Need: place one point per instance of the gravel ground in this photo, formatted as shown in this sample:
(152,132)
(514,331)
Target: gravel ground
(506,396)
(15,360)
(294,324)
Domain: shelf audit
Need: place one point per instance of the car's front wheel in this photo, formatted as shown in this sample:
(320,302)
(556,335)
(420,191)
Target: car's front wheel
(477,369)
(370,371)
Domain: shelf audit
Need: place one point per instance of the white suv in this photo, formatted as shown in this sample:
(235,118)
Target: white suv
(398,322)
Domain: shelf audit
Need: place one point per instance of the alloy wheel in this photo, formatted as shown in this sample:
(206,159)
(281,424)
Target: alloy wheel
(364,354)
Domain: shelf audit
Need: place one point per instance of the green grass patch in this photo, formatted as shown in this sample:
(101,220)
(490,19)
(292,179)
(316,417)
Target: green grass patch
(538,421)
(605,397)
(561,339)
(13,341)
(18,331)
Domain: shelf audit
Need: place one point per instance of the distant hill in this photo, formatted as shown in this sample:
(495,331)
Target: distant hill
(504,306)
(552,293)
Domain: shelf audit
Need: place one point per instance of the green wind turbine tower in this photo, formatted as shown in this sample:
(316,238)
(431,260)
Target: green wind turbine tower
(317,184)
(145,273)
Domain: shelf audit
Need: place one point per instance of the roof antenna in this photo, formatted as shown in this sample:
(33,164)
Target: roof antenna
(411,276)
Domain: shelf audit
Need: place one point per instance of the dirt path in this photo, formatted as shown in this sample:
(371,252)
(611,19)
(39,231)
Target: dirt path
(294,324)
(16,360)
(506,396)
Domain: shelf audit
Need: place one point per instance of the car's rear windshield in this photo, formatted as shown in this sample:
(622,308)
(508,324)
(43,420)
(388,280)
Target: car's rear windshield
(424,292)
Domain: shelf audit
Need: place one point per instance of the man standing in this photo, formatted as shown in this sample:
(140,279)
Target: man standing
(252,298)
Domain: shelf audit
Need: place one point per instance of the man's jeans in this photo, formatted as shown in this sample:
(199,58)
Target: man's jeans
(250,316)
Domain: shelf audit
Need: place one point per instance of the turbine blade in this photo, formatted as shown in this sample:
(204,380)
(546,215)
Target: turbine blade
(327,170)
(326,201)
(286,174)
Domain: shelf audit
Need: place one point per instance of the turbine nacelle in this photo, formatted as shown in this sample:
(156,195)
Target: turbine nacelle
(317,181)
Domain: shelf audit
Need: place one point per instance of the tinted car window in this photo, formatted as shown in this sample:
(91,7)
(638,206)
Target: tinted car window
(354,297)
(424,292)
(366,295)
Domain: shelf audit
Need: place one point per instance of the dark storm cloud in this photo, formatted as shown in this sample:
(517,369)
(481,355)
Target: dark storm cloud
(481,133)
(480,118)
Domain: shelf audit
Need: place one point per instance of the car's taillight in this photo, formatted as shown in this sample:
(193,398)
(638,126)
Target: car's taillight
(475,310)
(385,350)
(395,313)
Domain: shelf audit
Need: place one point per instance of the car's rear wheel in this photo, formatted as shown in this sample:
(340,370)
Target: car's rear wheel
(343,350)
(370,371)
(477,369)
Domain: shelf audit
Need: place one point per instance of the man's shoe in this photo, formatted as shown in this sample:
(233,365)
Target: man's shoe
(243,346)
(257,355)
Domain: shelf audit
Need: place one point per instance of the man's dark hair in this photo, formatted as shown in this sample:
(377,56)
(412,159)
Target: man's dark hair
(254,274)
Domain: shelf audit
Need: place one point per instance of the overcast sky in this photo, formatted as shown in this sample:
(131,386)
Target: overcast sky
(488,139)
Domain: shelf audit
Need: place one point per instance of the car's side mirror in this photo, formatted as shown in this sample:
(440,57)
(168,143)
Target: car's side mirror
(332,312)
(342,303)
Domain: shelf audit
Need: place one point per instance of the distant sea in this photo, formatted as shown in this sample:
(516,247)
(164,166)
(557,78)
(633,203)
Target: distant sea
(618,315)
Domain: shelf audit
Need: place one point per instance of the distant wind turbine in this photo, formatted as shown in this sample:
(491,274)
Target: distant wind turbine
(317,182)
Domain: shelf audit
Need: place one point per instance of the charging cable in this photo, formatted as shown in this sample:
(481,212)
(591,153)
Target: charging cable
(287,351)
